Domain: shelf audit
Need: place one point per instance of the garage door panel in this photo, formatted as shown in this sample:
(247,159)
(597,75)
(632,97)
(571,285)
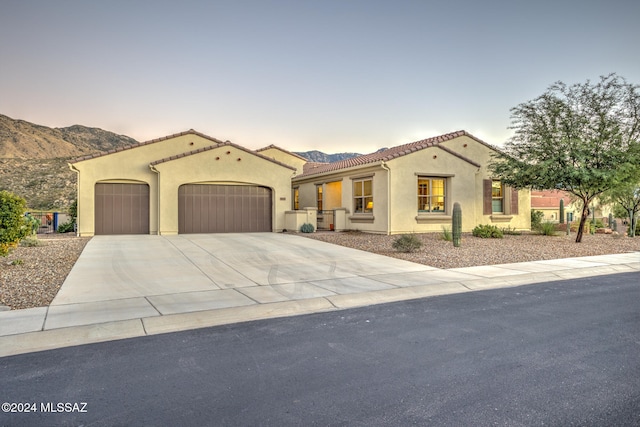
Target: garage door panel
(205,208)
(121,208)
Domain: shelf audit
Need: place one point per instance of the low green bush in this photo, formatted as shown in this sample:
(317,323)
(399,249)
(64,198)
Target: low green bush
(548,229)
(66,227)
(487,231)
(407,243)
(31,242)
(446,234)
(511,231)
(536,219)
(307,228)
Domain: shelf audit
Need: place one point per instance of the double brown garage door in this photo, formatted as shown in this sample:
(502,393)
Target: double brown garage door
(124,208)
(223,208)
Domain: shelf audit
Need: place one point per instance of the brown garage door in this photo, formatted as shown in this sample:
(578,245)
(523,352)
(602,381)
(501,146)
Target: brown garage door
(122,209)
(223,208)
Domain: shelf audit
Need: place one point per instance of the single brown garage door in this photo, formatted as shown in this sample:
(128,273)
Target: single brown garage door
(122,208)
(204,208)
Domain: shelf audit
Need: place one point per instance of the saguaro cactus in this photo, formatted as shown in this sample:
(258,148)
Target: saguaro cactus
(456,226)
(610,220)
(561,211)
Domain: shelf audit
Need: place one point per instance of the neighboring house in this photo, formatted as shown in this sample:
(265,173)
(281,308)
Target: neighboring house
(412,188)
(184,183)
(548,202)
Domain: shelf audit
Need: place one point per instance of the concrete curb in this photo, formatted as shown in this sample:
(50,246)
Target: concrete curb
(39,340)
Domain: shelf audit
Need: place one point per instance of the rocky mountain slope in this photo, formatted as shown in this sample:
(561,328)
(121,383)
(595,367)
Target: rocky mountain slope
(33,159)
(320,157)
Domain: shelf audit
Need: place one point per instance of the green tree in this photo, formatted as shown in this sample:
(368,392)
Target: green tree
(13,226)
(583,139)
(626,196)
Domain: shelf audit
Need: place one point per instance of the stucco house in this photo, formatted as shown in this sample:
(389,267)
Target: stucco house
(548,202)
(412,188)
(184,183)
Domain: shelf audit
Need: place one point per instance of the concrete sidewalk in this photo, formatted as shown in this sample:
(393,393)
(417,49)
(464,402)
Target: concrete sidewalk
(131,286)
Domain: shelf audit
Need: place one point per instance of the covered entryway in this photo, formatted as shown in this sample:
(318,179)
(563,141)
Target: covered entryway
(121,208)
(209,208)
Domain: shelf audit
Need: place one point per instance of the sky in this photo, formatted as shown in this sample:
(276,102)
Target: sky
(331,75)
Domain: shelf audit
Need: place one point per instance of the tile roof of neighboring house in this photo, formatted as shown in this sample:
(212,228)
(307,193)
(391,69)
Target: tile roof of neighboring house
(391,153)
(549,199)
(129,147)
(281,149)
(221,144)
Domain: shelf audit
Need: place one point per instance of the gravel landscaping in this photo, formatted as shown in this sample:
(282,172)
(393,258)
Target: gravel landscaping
(474,251)
(32,276)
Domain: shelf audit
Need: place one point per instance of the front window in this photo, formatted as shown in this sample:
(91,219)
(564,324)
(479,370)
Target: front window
(431,194)
(363,196)
(497,197)
(319,197)
(296,199)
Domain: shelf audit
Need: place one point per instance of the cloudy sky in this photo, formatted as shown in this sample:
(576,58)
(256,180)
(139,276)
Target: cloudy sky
(333,75)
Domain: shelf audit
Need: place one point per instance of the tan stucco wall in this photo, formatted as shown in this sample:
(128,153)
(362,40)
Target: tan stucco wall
(223,165)
(459,188)
(132,165)
(482,154)
(284,157)
(464,182)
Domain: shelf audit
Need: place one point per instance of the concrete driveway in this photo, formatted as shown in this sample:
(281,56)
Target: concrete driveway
(132,286)
(255,267)
(126,277)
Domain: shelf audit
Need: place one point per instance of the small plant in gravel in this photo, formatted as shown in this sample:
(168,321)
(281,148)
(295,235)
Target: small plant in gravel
(511,231)
(31,242)
(17,262)
(536,219)
(548,229)
(487,231)
(407,243)
(307,228)
(446,234)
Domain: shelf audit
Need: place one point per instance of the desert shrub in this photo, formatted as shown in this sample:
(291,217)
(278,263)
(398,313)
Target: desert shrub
(548,228)
(32,223)
(599,223)
(31,241)
(407,243)
(446,234)
(307,228)
(511,231)
(536,219)
(13,226)
(487,231)
(70,224)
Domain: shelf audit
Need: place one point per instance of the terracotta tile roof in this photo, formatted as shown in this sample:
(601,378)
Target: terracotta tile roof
(390,154)
(221,144)
(140,144)
(281,149)
(549,199)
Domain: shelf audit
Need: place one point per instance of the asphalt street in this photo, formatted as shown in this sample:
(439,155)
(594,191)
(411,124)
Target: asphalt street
(560,353)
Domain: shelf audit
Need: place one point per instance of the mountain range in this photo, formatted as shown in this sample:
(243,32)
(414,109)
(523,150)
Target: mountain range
(33,159)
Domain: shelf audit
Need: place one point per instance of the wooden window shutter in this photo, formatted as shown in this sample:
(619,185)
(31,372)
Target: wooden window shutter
(514,201)
(486,197)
